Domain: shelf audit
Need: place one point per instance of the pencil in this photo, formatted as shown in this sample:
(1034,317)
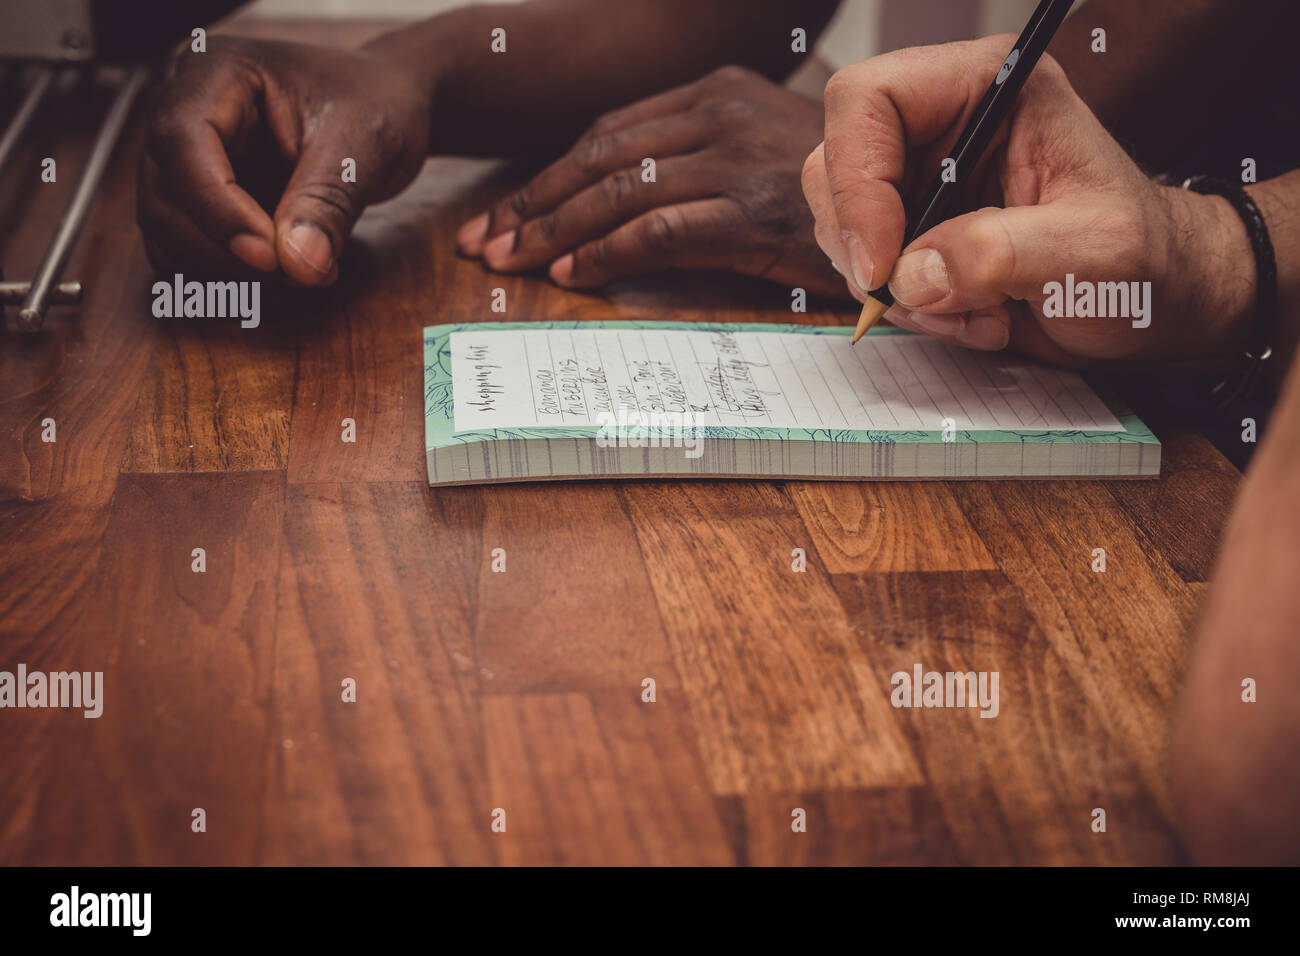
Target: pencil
(984,122)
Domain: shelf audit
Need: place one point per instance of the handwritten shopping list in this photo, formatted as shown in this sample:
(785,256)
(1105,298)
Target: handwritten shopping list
(574,377)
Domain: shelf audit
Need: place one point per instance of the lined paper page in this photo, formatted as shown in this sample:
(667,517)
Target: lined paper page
(575,377)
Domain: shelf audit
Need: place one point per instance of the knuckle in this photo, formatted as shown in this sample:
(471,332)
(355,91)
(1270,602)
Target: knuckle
(337,199)
(226,56)
(813,174)
(387,146)
(590,153)
(519,203)
(618,187)
(863,84)
(600,126)
(877,142)
(851,193)
(224,45)
(661,233)
(183,62)
(235,53)
(843,85)
(734,111)
(1049,72)
(546,227)
(597,256)
(730,75)
(168,128)
(769,205)
(383,133)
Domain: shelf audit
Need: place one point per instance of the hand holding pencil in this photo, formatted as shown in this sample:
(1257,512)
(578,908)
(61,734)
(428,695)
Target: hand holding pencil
(1054,193)
(991,112)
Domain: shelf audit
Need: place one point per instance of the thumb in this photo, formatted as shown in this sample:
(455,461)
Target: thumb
(316,213)
(979,260)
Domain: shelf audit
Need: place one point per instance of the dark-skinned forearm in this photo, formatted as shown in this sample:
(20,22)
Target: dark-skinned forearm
(569,61)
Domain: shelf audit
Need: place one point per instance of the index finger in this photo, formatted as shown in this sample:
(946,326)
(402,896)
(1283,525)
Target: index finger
(877,112)
(188,139)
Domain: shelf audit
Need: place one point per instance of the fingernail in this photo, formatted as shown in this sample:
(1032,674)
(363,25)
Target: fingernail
(920,278)
(471,235)
(864,270)
(990,331)
(562,268)
(944,326)
(849,283)
(253,250)
(312,245)
(499,249)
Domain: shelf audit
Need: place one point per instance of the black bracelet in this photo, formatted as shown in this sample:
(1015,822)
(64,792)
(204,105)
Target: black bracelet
(1259,348)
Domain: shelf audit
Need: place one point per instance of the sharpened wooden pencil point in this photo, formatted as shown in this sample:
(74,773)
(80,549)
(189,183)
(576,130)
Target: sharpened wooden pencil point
(872,310)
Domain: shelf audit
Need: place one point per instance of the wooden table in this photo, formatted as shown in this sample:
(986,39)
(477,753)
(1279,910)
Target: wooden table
(522,690)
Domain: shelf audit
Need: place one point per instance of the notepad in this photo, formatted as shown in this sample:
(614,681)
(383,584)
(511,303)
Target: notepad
(566,400)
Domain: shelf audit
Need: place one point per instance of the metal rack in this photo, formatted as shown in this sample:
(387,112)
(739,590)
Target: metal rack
(34,297)
(47,36)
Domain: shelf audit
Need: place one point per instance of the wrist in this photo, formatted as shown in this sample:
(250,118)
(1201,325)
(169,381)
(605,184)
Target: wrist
(447,55)
(422,51)
(1210,278)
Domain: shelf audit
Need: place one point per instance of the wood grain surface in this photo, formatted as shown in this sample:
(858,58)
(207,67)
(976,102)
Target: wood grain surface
(522,690)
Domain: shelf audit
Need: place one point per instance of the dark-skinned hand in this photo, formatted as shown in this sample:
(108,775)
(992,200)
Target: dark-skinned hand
(253,125)
(728,150)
